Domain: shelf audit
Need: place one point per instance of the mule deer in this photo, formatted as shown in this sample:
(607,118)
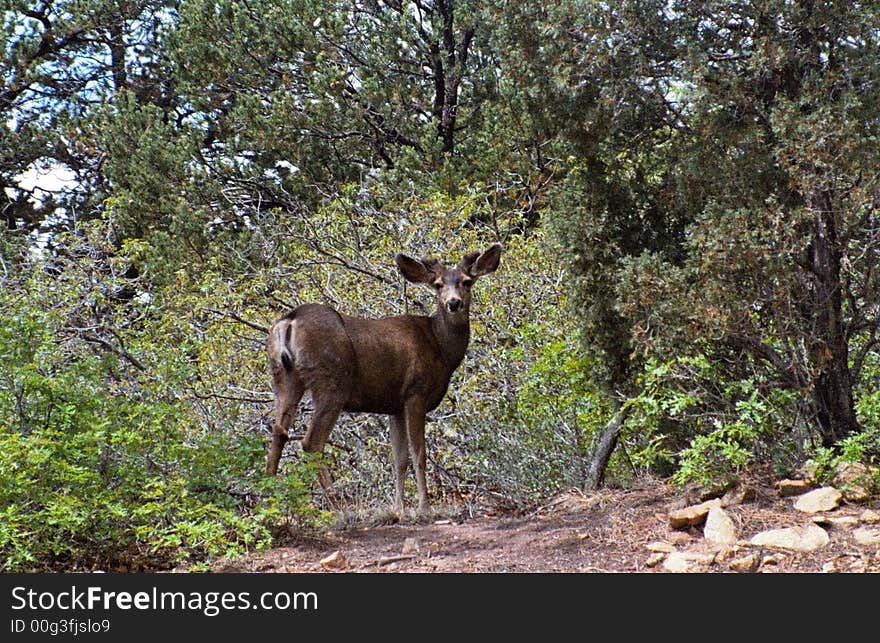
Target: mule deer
(398,366)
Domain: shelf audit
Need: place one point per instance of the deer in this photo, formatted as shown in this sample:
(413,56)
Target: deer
(398,366)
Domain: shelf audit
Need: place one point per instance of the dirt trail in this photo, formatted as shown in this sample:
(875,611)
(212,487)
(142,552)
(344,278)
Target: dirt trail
(608,531)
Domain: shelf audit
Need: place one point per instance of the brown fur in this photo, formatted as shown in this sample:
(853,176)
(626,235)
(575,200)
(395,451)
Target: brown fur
(398,366)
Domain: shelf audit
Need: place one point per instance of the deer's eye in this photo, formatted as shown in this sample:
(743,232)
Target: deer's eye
(437,285)
(467,283)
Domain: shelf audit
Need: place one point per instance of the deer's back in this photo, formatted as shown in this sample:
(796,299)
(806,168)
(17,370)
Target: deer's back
(375,365)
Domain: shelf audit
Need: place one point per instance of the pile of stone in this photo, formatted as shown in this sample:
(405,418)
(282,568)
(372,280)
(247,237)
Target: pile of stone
(721,543)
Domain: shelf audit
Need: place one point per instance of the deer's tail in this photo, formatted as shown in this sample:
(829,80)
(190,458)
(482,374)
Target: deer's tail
(280,345)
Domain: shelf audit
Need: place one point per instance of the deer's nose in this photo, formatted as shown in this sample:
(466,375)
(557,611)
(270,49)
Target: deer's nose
(454,305)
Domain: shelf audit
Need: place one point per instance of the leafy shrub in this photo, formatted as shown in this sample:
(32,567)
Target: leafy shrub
(95,471)
(540,433)
(710,432)
(825,461)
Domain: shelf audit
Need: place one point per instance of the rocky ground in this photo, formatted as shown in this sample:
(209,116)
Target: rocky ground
(759,526)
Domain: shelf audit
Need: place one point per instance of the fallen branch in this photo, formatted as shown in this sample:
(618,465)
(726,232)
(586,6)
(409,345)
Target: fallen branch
(393,559)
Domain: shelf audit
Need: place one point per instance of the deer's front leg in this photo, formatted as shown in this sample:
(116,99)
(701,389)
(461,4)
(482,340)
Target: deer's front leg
(415,428)
(328,405)
(279,439)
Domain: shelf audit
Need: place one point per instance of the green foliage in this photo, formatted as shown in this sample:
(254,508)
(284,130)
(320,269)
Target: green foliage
(868,400)
(550,419)
(706,428)
(825,462)
(686,195)
(91,478)
(100,464)
(287,500)
(706,209)
(147,160)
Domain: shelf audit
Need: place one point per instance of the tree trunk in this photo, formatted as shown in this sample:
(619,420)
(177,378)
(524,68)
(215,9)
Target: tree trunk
(448,59)
(116,42)
(604,448)
(832,386)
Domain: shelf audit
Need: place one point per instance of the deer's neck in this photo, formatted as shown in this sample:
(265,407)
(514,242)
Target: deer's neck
(452,336)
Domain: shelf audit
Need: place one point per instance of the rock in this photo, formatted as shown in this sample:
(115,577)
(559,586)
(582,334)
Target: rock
(806,538)
(857,493)
(336,560)
(655,559)
(866,536)
(719,529)
(694,493)
(410,546)
(687,561)
(745,564)
(869,516)
(737,495)
(854,478)
(835,521)
(679,538)
(660,546)
(787,488)
(859,566)
(691,516)
(725,553)
(822,499)
(847,472)
(829,567)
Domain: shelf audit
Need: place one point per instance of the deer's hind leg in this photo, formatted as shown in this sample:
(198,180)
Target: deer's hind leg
(400,454)
(288,392)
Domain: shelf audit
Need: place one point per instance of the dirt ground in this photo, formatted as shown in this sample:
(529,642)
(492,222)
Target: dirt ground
(610,531)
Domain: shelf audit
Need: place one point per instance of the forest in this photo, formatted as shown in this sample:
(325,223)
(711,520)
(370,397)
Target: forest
(687,195)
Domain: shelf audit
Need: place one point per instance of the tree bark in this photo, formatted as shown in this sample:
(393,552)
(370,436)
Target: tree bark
(604,448)
(116,42)
(448,60)
(833,385)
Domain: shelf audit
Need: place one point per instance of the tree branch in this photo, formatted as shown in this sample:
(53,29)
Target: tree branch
(121,352)
(239,319)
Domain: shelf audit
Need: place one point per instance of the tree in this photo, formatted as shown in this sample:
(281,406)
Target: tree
(63,60)
(721,192)
(341,87)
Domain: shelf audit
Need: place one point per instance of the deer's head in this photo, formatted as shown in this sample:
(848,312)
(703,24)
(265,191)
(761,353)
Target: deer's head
(453,285)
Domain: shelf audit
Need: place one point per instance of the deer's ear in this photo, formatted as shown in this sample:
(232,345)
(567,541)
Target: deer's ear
(483,264)
(414,271)
(467,261)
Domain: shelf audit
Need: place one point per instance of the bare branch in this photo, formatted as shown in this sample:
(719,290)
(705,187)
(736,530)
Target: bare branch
(239,319)
(116,350)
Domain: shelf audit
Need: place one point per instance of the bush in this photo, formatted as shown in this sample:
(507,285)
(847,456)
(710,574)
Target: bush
(540,433)
(693,421)
(100,470)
